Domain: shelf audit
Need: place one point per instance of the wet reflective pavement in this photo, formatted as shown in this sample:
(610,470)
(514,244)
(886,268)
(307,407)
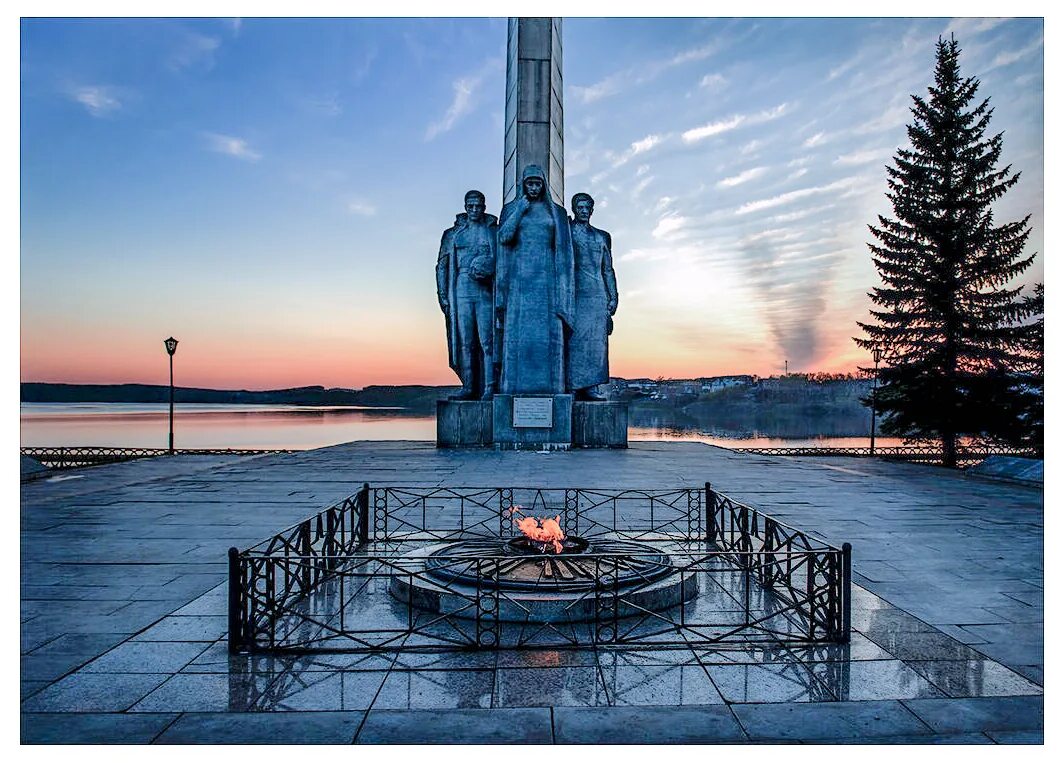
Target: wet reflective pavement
(161,673)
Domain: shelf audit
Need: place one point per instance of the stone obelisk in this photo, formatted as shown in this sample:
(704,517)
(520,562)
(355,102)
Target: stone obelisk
(535,132)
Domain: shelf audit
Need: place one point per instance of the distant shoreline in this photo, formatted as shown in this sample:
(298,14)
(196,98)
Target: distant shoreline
(377,396)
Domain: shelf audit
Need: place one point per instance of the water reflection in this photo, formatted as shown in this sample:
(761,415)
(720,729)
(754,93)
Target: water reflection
(293,426)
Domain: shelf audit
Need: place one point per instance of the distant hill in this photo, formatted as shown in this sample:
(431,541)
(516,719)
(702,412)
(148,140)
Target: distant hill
(416,396)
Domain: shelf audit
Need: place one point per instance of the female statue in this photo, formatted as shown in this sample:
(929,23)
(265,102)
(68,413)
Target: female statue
(534,289)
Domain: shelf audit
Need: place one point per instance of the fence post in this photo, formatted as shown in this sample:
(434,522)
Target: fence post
(710,514)
(363,513)
(306,550)
(235,622)
(847,588)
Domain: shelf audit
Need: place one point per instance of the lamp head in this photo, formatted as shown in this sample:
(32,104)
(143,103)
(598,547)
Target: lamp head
(171,345)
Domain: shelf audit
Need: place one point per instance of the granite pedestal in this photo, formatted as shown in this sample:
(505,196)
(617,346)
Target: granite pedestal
(464,424)
(490,423)
(599,424)
(538,430)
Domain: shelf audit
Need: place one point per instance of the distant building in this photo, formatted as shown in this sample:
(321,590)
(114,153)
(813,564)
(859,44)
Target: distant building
(710,384)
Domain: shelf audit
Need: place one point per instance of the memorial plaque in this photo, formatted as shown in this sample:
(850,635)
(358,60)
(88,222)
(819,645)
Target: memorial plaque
(533,412)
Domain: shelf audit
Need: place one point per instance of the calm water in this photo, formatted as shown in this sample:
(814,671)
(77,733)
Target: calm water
(291,426)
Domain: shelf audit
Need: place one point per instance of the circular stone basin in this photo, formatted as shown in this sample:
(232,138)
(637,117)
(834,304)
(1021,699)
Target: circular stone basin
(531,586)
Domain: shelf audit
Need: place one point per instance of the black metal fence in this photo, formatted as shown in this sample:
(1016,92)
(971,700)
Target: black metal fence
(79,456)
(344,579)
(966,455)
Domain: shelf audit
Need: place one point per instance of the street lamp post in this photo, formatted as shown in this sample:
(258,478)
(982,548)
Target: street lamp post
(876,355)
(171,348)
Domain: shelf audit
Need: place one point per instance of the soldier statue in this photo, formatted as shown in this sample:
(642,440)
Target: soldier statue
(465,285)
(596,301)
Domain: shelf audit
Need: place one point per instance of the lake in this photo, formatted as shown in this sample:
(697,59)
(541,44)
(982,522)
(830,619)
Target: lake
(146,425)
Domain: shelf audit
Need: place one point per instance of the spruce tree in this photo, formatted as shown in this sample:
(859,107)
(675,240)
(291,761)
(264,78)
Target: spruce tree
(949,327)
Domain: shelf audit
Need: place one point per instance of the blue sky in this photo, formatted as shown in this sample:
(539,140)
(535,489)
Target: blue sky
(272,192)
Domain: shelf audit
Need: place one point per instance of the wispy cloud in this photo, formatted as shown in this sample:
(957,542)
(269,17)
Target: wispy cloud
(896,114)
(462,102)
(713,128)
(365,65)
(695,134)
(669,226)
(98,100)
(815,140)
(713,81)
(361,207)
(193,51)
(327,104)
(638,75)
(1009,57)
(231,146)
(789,196)
(742,177)
(636,148)
(969,27)
(863,156)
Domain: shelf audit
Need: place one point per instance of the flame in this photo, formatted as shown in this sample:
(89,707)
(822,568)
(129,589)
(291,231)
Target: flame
(546,531)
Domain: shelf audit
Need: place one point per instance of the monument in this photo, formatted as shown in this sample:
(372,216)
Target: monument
(530,371)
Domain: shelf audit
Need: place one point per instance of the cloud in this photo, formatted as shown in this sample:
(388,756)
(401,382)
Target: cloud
(895,116)
(461,104)
(789,217)
(98,100)
(726,125)
(712,81)
(969,27)
(786,198)
(636,148)
(742,177)
(641,186)
(815,140)
(669,226)
(751,146)
(362,69)
(327,104)
(863,156)
(611,85)
(231,146)
(193,51)
(360,207)
(638,75)
(712,128)
(1009,57)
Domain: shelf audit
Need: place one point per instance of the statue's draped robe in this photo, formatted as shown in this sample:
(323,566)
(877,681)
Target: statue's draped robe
(534,286)
(447,288)
(588,348)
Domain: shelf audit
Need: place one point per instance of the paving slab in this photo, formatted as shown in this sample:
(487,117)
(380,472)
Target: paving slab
(93,728)
(711,724)
(94,692)
(263,728)
(980,713)
(828,722)
(497,726)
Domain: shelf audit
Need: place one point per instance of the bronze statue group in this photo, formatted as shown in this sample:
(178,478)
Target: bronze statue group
(528,298)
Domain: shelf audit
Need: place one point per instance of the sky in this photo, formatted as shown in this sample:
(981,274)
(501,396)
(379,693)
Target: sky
(272,191)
